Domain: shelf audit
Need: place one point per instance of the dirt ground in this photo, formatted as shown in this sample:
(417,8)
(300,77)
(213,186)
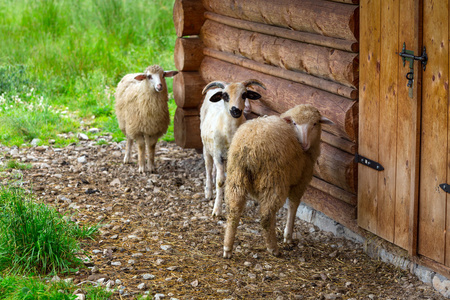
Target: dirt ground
(158,236)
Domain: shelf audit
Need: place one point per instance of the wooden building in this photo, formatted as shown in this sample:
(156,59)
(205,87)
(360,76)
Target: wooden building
(346,57)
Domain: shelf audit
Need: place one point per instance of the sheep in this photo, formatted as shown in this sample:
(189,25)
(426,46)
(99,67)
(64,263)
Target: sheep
(270,159)
(142,112)
(218,123)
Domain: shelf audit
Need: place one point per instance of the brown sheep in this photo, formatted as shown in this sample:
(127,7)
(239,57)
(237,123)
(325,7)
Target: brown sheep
(142,112)
(271,159)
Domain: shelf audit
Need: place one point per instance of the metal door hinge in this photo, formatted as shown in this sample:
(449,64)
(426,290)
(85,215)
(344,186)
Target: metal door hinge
(368,162)
(445,187)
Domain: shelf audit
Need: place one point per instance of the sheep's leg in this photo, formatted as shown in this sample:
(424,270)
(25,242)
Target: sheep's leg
(268,221)
(141,153)
(293,204)
(208,166)
(236,204)
(150,142)
(127,157)
(220,182)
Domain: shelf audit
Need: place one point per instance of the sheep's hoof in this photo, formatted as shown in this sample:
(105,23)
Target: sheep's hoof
(141,170)
(126,159)
(274,252)
(288,241)
(217,213)
(208,195)
(227,254)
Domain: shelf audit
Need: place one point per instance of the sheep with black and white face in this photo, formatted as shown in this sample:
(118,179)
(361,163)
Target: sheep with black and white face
(221,114)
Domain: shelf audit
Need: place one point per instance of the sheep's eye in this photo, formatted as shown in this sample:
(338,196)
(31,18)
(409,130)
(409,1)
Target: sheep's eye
(315,124)
(244,96)
(149,76)
(225,97)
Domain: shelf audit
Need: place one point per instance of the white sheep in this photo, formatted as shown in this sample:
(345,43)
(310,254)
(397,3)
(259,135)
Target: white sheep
(271,159)
(142,112)
(219,120)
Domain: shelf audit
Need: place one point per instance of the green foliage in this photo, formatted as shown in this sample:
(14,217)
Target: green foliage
(71,54)
(18,287)
(14,164)
(35,237)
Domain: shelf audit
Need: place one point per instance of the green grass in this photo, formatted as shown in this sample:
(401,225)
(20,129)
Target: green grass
(16,288)
(35,238)
(60,62)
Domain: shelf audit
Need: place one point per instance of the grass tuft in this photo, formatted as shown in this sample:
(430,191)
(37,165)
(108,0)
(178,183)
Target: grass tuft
(35,237)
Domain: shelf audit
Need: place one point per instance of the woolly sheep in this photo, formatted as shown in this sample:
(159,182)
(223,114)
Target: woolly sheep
(218,123)
(270,159)
(142,112)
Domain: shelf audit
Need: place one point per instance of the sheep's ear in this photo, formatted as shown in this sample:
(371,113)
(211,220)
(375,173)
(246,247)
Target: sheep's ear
(288,119)
(252,95)
(216,97)
(325,120)
(140,77)
(170,73)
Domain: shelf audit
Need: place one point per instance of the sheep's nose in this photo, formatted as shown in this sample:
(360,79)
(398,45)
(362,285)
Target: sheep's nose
(235,112)
(159,87)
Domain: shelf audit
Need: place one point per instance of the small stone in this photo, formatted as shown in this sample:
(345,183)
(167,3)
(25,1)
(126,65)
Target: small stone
(115,182)
(333,254)
(166,247)
(82,136)
(116,263)
(114,237)
(252,276)
(141,286)
(173,268)
(194,283)
(148,276)
(82,160)
(35,142)
(94,130)
(247,264)
(80,297)
(95,277)
(258,268)
(137,254)
(159,296)
(55,279)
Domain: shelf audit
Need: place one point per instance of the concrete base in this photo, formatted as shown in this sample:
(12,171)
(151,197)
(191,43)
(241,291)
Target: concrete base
(374,250)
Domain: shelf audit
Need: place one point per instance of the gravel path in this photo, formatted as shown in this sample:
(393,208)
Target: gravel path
(158,237)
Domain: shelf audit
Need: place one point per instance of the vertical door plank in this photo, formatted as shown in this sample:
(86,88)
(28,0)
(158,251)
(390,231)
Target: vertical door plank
(369,111)
(388,119)
(432,204)
(408,132)
(446,84)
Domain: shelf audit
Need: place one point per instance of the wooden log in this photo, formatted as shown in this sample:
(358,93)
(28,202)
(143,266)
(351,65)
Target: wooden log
(282,95)
(347,1)
(315,82)
(305,37)
(334,191)
(339,142)
(187,128)
(188,17)
(336,167)
(315,16)
(322,62)
(336,209)
(187,89)
(188,53)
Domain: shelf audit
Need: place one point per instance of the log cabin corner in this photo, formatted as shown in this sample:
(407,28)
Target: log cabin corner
(378,69)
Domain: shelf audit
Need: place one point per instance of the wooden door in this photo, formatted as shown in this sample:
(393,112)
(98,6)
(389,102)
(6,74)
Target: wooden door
(389,120)
(434,211)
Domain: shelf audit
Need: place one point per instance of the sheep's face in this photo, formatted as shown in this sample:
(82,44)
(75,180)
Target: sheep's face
(307,121)
(234,96)
(155,76)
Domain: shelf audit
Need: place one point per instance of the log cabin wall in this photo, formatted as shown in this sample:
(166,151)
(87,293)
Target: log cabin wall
(304,51)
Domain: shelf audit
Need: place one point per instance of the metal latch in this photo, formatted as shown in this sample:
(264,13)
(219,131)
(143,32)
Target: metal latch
(409,55)
(368,162)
